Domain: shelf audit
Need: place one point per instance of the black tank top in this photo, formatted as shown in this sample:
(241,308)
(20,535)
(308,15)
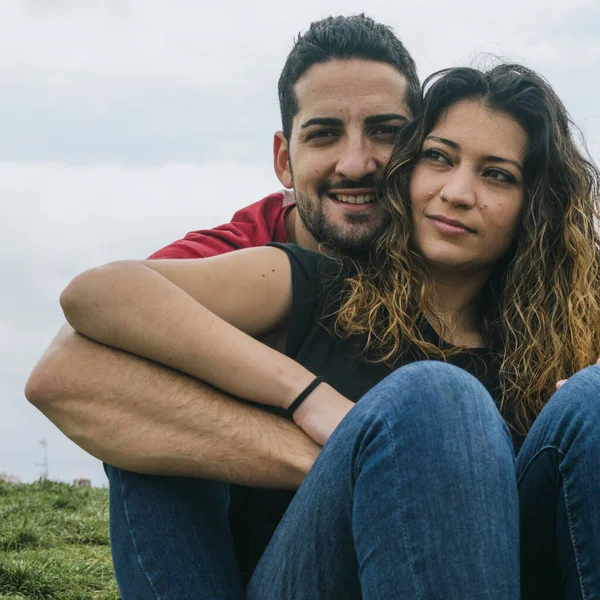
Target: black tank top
(317,282)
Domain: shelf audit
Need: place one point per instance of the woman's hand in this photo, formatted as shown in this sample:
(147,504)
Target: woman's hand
(322,412)
(560,383)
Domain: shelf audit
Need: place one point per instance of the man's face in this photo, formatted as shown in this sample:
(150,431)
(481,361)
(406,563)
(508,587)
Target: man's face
(349,114)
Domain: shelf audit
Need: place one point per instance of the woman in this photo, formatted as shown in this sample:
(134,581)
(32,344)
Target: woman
(490,263)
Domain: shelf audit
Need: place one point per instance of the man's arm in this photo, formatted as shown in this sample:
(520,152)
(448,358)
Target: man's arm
(141,416)
(205,318)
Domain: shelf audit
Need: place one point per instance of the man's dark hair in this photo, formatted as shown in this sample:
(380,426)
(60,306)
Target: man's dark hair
(357,36)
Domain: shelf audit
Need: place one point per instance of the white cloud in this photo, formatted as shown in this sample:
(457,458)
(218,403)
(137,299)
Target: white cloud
(143,82)
(127,123)
(59,220)
(131,38)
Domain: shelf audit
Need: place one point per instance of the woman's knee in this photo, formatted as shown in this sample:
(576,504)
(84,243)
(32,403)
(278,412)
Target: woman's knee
(434,400)
(574,409)
(581,392)
(426,388)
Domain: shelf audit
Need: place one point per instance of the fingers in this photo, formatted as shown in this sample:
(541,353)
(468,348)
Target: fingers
(560,383)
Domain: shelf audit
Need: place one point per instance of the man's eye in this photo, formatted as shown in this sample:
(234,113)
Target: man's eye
(386,131)
(322,134)
(435,156)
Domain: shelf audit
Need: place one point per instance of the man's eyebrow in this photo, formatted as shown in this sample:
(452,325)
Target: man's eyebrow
(374,119)
(331,121)
(371,120)
(490,157)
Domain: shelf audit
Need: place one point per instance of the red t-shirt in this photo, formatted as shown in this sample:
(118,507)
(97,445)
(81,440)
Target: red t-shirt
(254,225)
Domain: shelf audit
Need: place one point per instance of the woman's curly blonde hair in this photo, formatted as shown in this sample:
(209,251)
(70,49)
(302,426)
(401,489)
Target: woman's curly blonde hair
(540,310)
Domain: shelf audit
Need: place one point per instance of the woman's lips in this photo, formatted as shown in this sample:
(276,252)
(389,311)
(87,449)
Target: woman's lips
(449,226)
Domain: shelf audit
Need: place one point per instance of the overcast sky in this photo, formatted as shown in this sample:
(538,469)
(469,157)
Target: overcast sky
(126,123)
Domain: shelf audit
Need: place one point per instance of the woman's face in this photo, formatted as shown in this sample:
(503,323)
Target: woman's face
(467,188)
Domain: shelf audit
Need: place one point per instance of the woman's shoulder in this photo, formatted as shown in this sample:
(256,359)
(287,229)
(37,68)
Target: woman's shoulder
(315,266)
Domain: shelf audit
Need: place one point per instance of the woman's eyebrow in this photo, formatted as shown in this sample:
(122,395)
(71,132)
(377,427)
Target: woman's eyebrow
(443,141)
(491,157)
(505,160)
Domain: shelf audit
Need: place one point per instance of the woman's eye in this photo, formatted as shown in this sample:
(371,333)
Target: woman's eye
(435,156)
(498,175)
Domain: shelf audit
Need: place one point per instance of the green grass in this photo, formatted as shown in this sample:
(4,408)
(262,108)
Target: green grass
(54,543)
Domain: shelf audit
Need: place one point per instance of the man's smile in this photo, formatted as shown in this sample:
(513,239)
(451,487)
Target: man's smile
(358,196)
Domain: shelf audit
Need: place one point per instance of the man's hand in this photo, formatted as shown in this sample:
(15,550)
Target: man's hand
(141,416)
(560,383)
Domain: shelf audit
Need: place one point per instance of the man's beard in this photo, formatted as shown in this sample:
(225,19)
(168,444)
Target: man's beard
(347,241)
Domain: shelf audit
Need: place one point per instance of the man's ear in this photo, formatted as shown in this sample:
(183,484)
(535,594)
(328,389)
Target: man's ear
(281,160)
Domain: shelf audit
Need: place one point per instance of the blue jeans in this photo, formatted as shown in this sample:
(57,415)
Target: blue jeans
(414,496)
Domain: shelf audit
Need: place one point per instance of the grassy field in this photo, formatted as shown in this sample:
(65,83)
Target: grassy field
(54,543)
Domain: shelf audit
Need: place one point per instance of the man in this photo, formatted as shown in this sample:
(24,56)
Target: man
(347,87)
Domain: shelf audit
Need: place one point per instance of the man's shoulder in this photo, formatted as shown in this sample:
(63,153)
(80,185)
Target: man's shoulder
(264,214)
(254,225)
(270,205)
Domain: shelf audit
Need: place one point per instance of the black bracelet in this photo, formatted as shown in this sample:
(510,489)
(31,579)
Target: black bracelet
(302,396)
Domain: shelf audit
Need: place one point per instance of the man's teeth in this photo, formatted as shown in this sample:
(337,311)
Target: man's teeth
(365,199)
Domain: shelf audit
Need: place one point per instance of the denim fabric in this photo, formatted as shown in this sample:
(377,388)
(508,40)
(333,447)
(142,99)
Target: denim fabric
(413,496)
(558,470)
(170,538)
